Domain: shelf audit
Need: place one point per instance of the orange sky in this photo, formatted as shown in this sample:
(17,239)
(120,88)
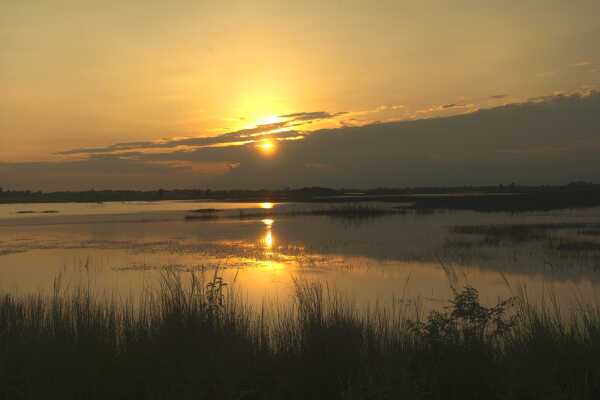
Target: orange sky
(76,75)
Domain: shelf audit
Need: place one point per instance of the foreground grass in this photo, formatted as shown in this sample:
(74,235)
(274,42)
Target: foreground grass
(194,339)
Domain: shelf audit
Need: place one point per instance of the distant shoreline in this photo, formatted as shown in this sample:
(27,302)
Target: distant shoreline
(478,198)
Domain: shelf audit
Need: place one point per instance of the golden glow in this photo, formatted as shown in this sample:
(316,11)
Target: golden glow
(258,70)
(271,265)
(268,240)
(266,146)
(272,119)
(261,103)
(266,205)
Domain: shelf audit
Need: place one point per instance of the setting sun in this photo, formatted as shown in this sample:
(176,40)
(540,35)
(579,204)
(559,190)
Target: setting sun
(332,189)
(266,146)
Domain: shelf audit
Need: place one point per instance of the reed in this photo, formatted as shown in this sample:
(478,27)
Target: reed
(193,337)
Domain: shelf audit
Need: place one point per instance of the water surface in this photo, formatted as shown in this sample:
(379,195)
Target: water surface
(123,247)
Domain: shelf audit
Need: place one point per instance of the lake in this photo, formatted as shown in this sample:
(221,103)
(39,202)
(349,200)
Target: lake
(121,249)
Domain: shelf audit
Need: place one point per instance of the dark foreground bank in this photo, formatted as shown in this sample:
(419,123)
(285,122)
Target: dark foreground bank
(195,339)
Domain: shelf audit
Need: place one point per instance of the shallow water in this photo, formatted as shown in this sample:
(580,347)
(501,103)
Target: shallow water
(121,248)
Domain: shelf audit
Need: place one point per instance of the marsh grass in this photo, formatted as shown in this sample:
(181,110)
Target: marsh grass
(574,245)
(344,210)
(574,238)
(589,232)
(194,337)
(495,234)
(356,211)
(520,232)
(204,217)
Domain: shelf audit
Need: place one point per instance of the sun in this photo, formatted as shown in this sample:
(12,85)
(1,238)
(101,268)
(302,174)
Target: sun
(266,146)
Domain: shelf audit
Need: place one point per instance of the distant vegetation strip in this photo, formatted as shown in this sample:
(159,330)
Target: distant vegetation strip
(512,198)
(195,338)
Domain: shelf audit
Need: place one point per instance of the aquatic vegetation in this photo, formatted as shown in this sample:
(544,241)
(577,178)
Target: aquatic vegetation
(519,233)
(503,232)
(589,232)
(356,211)
(207,216)
(574,245)
(206,210)
(193,337)
(37,212)
(343,210)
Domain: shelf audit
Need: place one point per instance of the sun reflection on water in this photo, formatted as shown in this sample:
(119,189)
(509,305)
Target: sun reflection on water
(268,222)
(267,239)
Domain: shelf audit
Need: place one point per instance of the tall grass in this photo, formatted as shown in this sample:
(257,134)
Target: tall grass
(193,337)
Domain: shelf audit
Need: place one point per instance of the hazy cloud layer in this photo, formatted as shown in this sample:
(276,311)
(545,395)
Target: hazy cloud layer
(289,121)
(552,139)
(308,116)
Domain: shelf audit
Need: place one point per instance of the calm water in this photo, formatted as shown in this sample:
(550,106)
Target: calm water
(121,248)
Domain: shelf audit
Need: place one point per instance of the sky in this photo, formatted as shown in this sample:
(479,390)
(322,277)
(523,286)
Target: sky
(268,94)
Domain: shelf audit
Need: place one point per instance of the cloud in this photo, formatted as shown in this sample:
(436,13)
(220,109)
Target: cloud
(315,115)
(547,98)
(225,138)
(103,172)
(435,110)
(498,96)
(452,105)
(552,139)
(395,107)
(582,64)
(290,121)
